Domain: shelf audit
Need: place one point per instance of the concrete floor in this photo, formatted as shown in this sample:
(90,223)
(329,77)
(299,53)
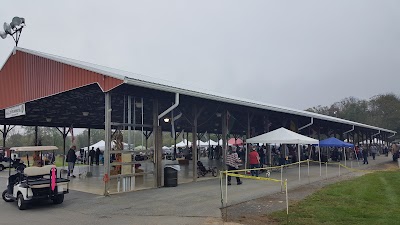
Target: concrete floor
(189,203)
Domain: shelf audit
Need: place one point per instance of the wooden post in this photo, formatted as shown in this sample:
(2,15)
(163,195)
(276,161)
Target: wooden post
(194,143)
(84,152)
(157,145)
(224,135)
(107,149)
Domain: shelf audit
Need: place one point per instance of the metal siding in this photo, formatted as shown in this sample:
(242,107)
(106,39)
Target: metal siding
(26,77)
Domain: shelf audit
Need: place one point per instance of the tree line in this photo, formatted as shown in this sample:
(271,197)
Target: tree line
(381,110)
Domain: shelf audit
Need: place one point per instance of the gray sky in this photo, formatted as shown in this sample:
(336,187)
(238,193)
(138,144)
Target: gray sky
(297,54)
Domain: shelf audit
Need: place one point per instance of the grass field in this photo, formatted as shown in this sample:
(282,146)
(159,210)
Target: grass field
(370,199)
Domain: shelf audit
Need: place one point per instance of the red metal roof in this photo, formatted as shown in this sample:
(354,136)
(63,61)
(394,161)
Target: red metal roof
(26,77)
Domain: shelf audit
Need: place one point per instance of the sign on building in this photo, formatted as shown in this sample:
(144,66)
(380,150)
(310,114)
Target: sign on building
(14,111)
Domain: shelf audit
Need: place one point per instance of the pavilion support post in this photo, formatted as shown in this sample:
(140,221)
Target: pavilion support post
(194,143)
(157,145)
(4,132)
(64,137)
(224,135)
(187,139)
(175,137)
(249,119)
(130,122)
(108,134)
(64,134)
(147,136)
(36,136)
(86,155)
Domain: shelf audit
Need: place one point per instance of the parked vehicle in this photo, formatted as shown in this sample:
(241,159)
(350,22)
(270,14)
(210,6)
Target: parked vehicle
(35,183)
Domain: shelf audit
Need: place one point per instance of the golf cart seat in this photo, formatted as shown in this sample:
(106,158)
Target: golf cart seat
(35,177)
(38,171)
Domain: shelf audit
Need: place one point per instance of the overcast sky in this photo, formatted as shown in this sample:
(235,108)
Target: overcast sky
(297,54)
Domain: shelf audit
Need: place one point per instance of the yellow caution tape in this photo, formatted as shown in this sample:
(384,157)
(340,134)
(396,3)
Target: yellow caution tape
(251,177)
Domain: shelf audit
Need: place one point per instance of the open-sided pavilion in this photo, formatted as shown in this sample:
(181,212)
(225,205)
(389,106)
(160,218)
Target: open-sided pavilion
(39,89)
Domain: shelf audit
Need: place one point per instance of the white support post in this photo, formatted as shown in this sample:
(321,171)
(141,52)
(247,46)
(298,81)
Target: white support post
(308,170)
(222,191)
(320,163)
(326,169)
(339,169)
(298,160)
(281,178)
(226,188)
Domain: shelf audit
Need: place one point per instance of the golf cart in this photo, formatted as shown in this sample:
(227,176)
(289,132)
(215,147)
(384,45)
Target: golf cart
(6,158)
(37,182)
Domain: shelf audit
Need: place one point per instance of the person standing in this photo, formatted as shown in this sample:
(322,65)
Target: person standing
(254,160)
(374,150)
(91,155)
(71,159)
(365,154)
(98,153)
(232,162)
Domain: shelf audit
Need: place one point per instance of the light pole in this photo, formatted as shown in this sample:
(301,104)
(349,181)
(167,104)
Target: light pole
(14,29)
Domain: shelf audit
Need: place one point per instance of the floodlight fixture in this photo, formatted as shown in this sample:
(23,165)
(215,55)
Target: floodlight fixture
(3,34)
(13,29)
(166,120)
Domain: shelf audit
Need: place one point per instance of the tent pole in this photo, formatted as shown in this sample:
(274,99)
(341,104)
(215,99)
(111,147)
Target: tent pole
(320,164)
(298,153)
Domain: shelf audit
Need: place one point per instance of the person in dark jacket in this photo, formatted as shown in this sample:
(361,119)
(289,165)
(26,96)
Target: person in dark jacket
(71,159)
(365,154)
(98,153)
(92,153)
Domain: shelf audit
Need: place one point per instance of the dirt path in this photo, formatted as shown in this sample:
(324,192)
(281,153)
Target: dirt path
(256,211)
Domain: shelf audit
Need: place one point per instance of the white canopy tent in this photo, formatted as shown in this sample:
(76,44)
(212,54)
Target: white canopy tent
(282,136)
(182,144)
(102,145)
(213,143)
(285,136)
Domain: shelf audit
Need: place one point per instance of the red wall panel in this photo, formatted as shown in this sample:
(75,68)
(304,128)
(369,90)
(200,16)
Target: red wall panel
(26,77)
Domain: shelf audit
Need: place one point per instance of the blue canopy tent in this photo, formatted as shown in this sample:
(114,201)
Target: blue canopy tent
(334,142)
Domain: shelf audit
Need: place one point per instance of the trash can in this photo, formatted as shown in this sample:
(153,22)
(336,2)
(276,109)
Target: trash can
(171,175)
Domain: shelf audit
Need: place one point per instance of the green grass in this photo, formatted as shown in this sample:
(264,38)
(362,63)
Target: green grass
(370,199)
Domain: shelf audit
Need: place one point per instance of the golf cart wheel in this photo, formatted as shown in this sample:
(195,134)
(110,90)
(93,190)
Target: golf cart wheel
(58,199)
(214,171)
(21,203)
(1,167)
(5,197)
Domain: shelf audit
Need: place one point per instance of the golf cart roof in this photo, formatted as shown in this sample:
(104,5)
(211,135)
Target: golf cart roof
(33,148)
